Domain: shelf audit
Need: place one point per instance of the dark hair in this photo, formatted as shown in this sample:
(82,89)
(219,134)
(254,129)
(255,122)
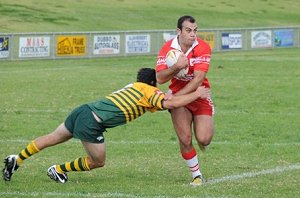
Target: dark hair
(147,75)
(183,19)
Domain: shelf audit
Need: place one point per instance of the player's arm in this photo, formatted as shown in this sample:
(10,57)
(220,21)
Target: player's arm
(199,76)
(165,75)
(175,101)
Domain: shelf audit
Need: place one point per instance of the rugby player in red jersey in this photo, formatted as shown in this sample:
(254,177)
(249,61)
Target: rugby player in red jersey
(196,116)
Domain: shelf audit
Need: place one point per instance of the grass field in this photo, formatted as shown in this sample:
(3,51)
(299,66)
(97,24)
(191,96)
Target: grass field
(255,151)
(101,15)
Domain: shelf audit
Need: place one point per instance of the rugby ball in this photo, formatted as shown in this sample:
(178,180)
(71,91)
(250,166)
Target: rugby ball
(171,59)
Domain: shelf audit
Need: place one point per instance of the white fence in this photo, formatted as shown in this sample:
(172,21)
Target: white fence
(55,45)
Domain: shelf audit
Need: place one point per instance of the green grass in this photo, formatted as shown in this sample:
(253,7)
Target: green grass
(100,15)
(256,94)
(257,129)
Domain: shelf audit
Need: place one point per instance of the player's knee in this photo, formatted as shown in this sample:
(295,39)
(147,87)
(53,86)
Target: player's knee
(100,164)
(185,140)
(204,141)
(96,163)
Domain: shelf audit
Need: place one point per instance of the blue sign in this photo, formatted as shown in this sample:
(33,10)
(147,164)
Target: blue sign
(283,38)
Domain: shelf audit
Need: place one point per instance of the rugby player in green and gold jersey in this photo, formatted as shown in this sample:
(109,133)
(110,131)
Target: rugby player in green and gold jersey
(88,122)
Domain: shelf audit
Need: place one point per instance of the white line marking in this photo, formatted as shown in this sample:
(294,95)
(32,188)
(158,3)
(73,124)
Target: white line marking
(262,58)
(254,174)
(276,170)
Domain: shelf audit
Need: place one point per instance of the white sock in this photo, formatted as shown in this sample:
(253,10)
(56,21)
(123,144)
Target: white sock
(191,160)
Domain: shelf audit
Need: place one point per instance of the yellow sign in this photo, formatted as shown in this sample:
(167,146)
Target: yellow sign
(74,45)
(208,37)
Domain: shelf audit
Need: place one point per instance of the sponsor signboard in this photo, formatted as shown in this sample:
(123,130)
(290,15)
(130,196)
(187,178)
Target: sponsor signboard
(34,46)
(71,45)
(283,38)
(138,43)
(106,44)
(208,37)
(232,41)
(261,39)
(4,47)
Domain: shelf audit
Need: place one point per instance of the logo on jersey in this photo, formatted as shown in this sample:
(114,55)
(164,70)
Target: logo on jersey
(161,60)
(205,59)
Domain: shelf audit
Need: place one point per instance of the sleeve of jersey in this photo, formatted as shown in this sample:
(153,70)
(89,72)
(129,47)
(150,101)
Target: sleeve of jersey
(155,100)
(161,60)
(202,60)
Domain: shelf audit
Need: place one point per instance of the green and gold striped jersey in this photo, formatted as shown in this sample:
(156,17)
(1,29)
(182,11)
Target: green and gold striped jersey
(127,104)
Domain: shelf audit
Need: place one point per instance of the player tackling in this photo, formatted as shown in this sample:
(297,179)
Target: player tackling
(88,122)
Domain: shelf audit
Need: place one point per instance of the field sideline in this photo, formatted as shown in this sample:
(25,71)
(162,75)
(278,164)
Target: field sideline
(255,151)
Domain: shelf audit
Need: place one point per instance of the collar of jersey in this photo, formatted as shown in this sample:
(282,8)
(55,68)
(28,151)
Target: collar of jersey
(176,45)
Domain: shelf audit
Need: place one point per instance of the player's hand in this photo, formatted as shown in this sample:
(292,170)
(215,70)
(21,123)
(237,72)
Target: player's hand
(203,92)
(182,62)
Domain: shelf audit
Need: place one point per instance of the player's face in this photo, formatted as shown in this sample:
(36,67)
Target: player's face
(188,34)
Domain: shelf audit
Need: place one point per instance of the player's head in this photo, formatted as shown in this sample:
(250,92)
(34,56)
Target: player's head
(147,75)
(187,31)
(184,18)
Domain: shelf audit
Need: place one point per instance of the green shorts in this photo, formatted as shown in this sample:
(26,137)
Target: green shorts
(82,124)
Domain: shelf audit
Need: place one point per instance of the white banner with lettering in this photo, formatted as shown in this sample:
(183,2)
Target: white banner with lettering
(106,44)
(139,43)
(261,39)
(35,46)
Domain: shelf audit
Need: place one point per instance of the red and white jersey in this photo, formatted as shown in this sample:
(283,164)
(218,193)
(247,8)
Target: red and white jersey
(198,57)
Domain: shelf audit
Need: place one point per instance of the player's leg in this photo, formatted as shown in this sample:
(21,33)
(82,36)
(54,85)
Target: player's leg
(84,127)
(204,130)
(96,154)
(59,135)
(203,122)
(12,162)
(95,158)
(203,127)
(182,121)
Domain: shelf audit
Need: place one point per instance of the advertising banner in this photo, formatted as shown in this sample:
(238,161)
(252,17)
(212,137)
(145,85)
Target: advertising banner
(283,38)
(232,41)
(208,37)
(106,44)
(261,39)
(139,43)
(34,46)
(73,45)
(4,47)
